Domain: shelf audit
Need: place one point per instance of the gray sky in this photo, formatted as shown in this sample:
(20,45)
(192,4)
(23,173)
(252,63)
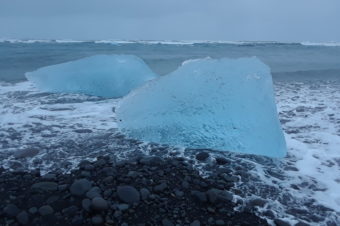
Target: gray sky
(233,20)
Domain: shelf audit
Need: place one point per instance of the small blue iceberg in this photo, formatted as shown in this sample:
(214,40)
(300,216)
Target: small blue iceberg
(100,75)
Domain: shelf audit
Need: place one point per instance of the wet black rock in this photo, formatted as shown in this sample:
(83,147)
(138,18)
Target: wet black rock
(80,187)
(86,204)
(93,192)
(128,194)
(44,187)
(33,210)
(280,222)
(45,210)
(83,131)
(97,220)
(221,161)
(199,196)
(151,161)
(195,223)
(26,153)
(161,187)
(220,222)
(70,211)
(144,193)
(213,195)
(257,202)
(11,210)
(99,203)
(49,177)
(23,217)
(230,178)
(167,222)
(202,156)
(301,224)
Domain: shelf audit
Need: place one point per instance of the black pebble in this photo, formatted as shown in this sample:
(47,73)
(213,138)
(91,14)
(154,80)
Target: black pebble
(202,156)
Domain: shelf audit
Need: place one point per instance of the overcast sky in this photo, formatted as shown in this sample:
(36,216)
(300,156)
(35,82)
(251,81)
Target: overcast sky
(232,20)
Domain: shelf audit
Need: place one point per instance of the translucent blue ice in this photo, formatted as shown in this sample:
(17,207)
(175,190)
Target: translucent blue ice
(225,104)
(100,75)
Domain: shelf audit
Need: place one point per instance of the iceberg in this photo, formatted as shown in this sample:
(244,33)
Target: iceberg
(100,75)
(220,104)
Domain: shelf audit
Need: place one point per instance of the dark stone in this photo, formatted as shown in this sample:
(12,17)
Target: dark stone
(179,193)
(62,187)
(99,203)
(269,214)
(202,156)
(132,174)
(221,161)
(85,173)
(89,167)
(83,131)
(185,185)
(195,223)
(97,220)
(70,211)
(300,223)
(123,206)
(213,195)
(52,199)
(226,196)
(23,218)
(280,222)
(86,204)
(161,187)
(216,195)
(167,222)
(228,178)
(77,220)
(220,222)
(33,210)
(44,187)
(257,202)
(151,161)
(26,153)
(45,210)
(108,180)
(109,171)
(49,176)
(199,196)
(128,194)
(107,193)
(80,187)
(291,168)
(11,210)
(93,192)
(144,193)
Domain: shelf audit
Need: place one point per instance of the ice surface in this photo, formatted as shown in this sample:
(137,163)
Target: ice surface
(225,104)
(100,75)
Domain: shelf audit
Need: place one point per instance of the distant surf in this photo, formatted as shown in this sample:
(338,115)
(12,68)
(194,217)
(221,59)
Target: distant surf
(169,42)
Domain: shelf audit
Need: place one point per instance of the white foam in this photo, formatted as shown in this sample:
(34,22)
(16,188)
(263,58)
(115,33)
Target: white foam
(328,44)
(314,146)
(156,42)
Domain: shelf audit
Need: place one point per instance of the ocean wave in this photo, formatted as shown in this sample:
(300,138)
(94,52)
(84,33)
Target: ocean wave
(328,44)
(169,42)
(32,41)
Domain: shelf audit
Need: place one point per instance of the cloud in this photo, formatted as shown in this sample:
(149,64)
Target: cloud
(290,20)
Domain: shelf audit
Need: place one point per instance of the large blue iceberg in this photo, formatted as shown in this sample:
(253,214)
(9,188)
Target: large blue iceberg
(100,75)
(224,104)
